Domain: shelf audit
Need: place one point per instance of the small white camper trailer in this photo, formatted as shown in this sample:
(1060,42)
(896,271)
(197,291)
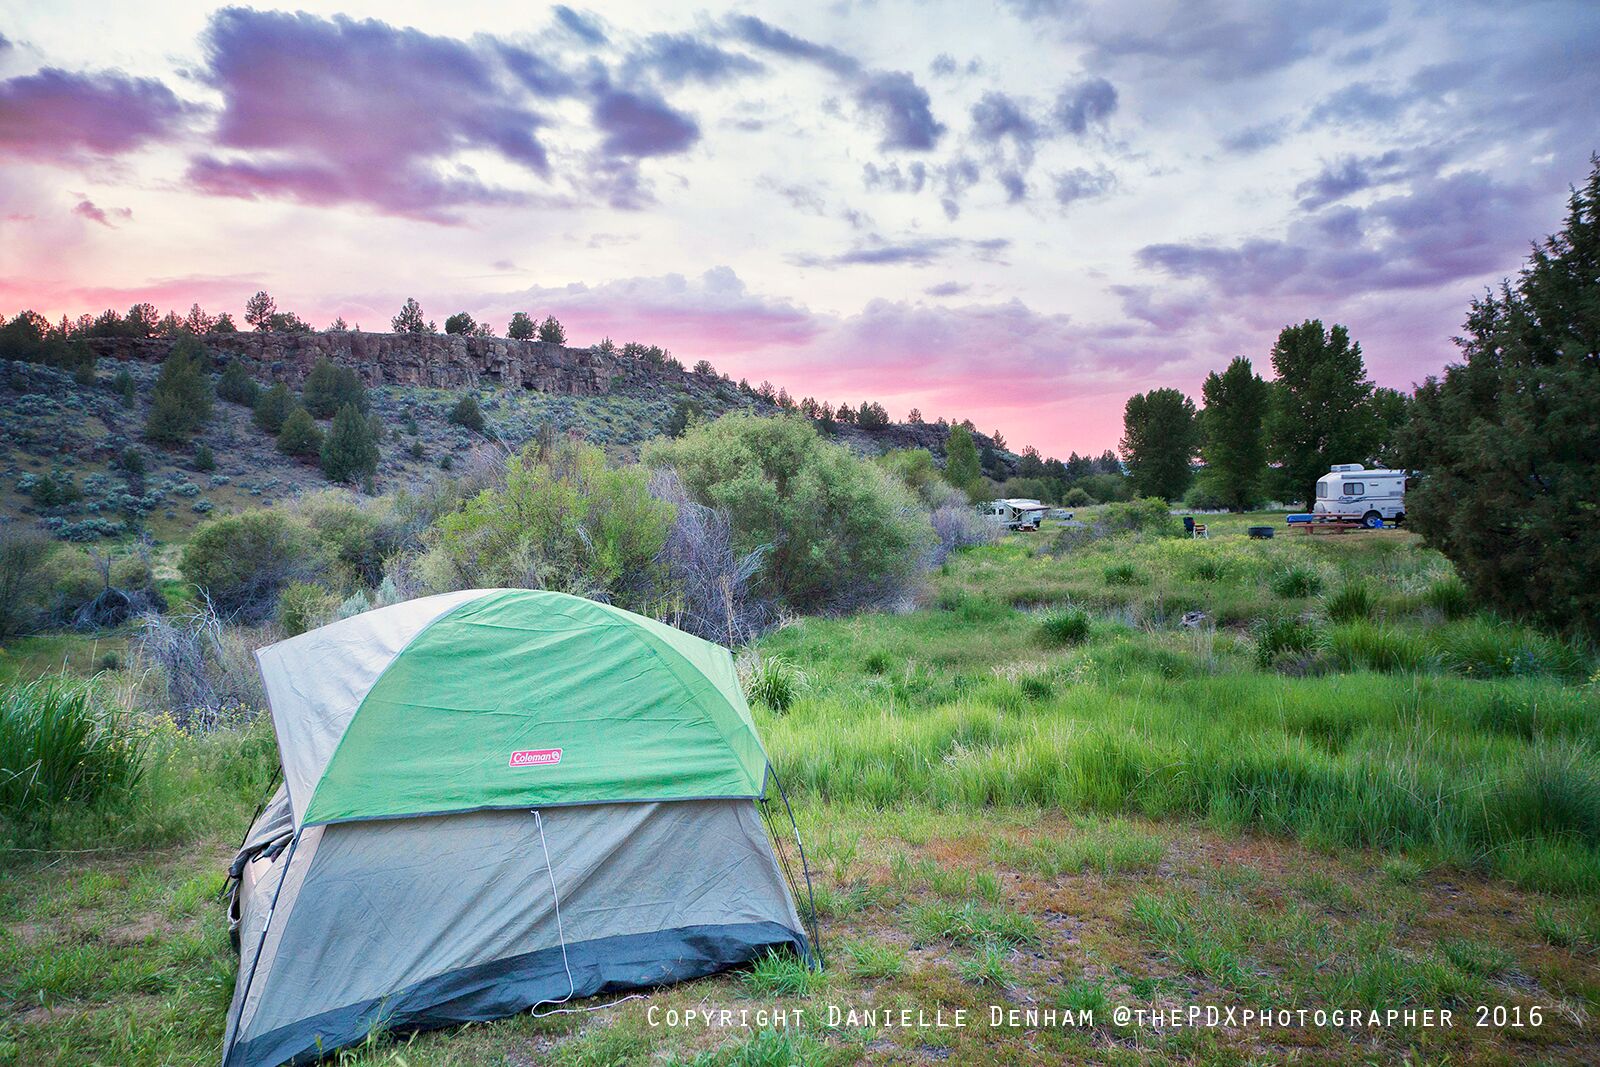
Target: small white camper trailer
(1371,497)
(1015,513)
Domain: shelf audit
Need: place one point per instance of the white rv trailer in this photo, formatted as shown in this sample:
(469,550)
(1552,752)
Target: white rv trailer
(1372,497)
(1015,513)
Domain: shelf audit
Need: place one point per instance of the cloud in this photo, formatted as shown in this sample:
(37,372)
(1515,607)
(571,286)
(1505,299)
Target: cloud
(1359,102)
(1083,105)
(1083,184)
(375,113)
(58,116)
(1350,174)
(997,117)
(585,28)
(892,99)
(945,65)
(902,110)
(947,289)
(890,177)
(764,35)
(915,252)
(537,74)
(639,124)
(1255,138)
(1431,235)
(88,209)
(679,57)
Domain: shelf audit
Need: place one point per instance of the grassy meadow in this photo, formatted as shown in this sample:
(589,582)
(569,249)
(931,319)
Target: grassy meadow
(1088,773)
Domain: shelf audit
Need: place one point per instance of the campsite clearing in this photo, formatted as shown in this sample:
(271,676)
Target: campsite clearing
(1342,789)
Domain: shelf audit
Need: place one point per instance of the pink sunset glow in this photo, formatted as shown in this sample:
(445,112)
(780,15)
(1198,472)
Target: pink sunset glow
(855,204)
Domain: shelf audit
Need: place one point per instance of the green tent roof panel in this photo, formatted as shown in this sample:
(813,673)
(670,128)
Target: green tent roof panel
(502,699)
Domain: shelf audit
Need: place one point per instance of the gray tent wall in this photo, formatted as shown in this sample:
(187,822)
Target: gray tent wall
(419,923)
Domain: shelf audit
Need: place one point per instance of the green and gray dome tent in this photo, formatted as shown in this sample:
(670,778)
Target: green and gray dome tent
(495,799)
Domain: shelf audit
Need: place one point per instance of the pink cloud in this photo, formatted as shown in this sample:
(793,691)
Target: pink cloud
(88,209)
(56,115)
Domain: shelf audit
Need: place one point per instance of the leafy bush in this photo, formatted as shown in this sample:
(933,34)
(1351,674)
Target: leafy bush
(841,531)
(181,402)
(273,407)
(349,453)
(957,526)
(1297,580)
(328,388)
(356,534)
(300,436)
(1069,626)
(59,745)
(237,385)
(1148,515)
(468,414)
(564,520)
(303,605)
(242,562)
(1284,635)
(771,680)
(1353,601)
(24,555)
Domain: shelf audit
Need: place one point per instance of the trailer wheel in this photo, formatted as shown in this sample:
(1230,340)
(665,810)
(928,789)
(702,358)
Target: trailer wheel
(1372,520)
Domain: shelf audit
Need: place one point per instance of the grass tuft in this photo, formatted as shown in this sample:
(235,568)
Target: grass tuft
(1068,626)
(61,745)
(1296,581)
(771,680)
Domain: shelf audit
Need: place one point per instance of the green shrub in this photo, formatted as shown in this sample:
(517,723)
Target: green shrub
(181,402)
(1124,574)
(1069,626)
(328,388)
(1284,635)
(24,577)
(273,407)
(1297,580)
(564,520)
(771,680)
(61,745)
(204,459)
(242,562)
(237,385)
(123,385)
(303,605)
(839,530)
(349,453)
(1352,602)
(1209,569)
(1149,515)
(468,414)
(300,436)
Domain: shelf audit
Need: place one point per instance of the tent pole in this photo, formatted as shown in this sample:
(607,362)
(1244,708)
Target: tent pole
(805,868)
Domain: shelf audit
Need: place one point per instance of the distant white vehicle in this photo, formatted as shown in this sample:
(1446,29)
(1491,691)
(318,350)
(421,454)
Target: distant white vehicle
(1015,513)
(1371,497)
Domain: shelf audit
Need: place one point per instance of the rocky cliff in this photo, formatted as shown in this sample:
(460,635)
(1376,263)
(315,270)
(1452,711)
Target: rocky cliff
(446,361)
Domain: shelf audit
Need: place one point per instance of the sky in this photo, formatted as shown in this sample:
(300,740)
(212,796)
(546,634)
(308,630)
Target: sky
(1019,212)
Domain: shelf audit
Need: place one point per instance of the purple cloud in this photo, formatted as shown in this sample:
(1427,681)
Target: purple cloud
(762,34)
(638,124)
(1083,184)
(1360,102)
(375,110)
(88,209)
(915,252)
(1351,174)
(585,28)
(57,115)
(1085,104)
(676,58)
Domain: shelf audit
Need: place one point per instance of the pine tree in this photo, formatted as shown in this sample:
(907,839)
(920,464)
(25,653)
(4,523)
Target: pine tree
(1159,438)
(181,402)
(521,327)
(468,414)
(550,330)
(350,452)
(273,407)
(1320,413)
(300,436)
(961,459)
(1505,443)
(1234,444)
(237,385)
(328,388)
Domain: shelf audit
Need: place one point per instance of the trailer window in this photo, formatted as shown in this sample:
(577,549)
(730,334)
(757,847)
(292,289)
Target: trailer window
(1354,489)
(1322,489)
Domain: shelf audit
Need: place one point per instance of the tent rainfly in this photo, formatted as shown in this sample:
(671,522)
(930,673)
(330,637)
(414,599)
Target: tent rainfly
(493,800)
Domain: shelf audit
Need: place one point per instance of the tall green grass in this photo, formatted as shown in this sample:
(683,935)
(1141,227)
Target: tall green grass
(61,744)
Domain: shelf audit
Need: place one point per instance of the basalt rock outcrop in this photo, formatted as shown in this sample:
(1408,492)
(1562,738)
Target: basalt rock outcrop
(448,361)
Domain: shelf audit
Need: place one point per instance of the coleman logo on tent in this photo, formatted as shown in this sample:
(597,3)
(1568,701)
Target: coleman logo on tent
(535,757)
